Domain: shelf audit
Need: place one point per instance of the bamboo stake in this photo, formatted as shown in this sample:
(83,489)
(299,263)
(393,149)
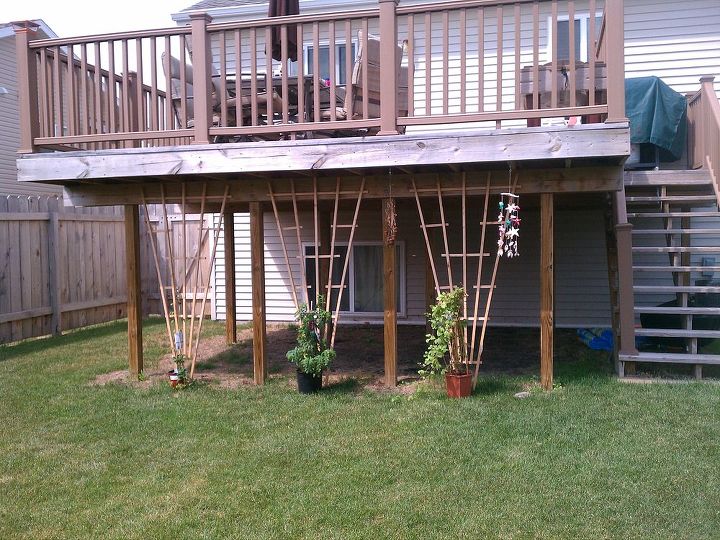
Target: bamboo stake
(184,257)
(284,247)
(196,260)
(172,257)
(444,232)
(315,239)
(427,240)
(159,275)
(491,290)
(207,283)
(476,305)
(336,317)
(301,250)
(332,244)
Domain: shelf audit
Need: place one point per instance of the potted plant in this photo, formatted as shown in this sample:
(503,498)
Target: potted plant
(312,354)
(179,374)
(446,352)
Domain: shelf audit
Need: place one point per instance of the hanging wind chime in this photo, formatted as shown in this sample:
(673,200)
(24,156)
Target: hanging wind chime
(509,223)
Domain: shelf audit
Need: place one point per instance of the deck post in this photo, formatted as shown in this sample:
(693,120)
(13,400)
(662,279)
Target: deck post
(230,285)
(389,297)
(388,68)
(27,86)
(626,299)
(547,286)
(615,48)
(257,262)
(134,301)
(202,78)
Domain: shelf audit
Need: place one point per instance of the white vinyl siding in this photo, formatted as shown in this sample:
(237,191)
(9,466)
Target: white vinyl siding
(9,128)
(582,297)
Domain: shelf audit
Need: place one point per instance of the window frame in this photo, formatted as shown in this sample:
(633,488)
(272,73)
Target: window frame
(325,44)
(584,19)
(350,278)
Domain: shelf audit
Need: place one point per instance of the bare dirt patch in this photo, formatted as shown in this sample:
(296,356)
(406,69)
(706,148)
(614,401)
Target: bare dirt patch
(359,364)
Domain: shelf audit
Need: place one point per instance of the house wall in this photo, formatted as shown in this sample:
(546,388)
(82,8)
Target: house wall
(582,298)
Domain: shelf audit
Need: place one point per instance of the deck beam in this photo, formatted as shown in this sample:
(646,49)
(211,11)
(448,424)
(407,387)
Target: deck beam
(558,144)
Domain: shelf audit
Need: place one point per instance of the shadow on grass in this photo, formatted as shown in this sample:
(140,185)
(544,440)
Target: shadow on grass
(346,386)
(71,337)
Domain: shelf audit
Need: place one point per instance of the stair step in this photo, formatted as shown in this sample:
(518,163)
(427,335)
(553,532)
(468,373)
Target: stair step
(674,290)
(672,358)
(676,269)
(676,231)
(677,249)
(667,178)
(672,214)
(671,198)
(672,310)
(674,333)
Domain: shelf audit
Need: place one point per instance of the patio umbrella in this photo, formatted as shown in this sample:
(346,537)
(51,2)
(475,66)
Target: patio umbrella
(282,8)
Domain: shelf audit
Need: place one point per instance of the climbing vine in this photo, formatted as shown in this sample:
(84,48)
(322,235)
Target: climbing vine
(446,346)
(312,354)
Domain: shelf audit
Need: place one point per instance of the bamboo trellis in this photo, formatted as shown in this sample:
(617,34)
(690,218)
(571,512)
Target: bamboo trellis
(293,195)
(180,306)
(474,336)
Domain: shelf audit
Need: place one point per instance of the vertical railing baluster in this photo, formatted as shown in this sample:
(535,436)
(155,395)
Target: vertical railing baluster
(445,60)
(269,74)
(331,67)
(184,112)
(169,105)
(499,75)
(154,116)
(43,113)
(428,64)
(463,60)
(302,105)
(592,52)
(316,71)
(222,79)
(536,56)
(253,77)
(284,73)
(70,100)
(481,58)
(571,80)
(238,78)
(554,46)
(83,97)
(365,79)
(517,17)
(140,124)
(411,64)
(58,87)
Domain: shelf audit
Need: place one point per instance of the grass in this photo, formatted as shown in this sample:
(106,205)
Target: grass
(593,459)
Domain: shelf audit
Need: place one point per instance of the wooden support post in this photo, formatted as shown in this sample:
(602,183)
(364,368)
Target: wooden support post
(389,298)
(257,260)
(54,272)
(615,47)
(202,81)
(27,86)
(230,286)
(547,283)
(388,68)
(134,302)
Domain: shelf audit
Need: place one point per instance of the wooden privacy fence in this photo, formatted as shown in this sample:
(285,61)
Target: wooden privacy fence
(64,268)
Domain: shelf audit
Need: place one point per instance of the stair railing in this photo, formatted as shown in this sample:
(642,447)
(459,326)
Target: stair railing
(704,131)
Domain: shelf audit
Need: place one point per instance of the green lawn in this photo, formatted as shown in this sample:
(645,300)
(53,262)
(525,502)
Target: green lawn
(593,459)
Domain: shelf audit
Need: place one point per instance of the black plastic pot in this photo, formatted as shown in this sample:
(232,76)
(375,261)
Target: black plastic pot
(308,383)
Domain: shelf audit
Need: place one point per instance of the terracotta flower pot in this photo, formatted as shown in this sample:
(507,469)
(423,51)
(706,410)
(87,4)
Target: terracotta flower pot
(458,385)
(173,378)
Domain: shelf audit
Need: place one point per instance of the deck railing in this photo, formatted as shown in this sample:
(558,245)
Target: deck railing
(488,63)
(704,131)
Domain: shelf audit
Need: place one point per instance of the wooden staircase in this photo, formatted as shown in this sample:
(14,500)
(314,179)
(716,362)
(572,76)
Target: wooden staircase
(676,267)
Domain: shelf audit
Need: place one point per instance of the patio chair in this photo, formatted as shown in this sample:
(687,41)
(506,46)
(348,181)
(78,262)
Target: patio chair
(353,108)
(244,100)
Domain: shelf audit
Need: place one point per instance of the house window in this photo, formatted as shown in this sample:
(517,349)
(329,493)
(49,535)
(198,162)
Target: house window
(364,280)
(324,71)
(583,41)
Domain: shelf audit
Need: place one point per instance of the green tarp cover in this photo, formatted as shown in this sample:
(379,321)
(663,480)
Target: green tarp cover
(657,114)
